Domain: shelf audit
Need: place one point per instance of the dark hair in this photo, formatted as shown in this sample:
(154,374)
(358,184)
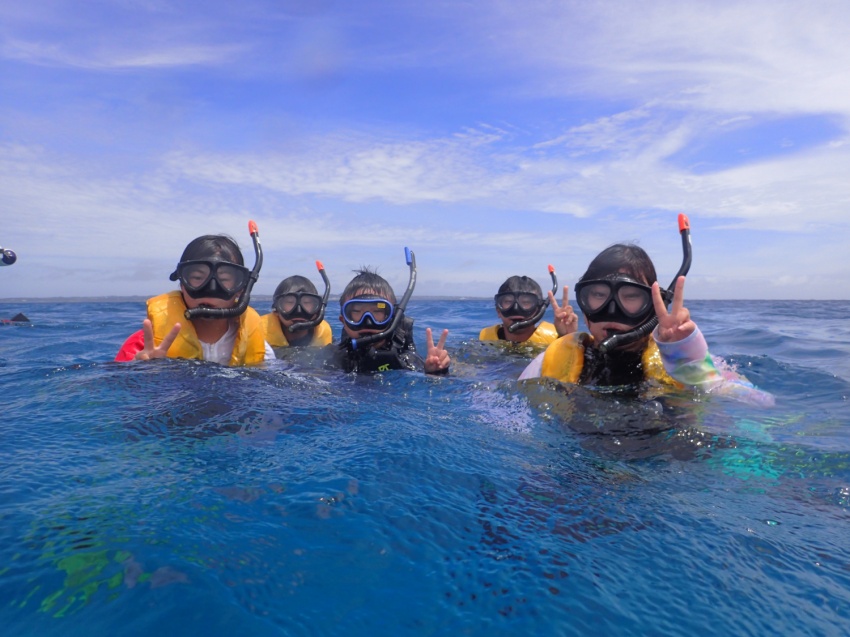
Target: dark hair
(367,281)
(213,245)
(624,258)
(295,284)
(521,284)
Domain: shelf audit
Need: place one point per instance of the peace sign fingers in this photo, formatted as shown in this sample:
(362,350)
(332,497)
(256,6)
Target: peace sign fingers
(566,320)
(677,324)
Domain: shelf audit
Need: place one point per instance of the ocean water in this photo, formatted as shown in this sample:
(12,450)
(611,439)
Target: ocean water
(177,497)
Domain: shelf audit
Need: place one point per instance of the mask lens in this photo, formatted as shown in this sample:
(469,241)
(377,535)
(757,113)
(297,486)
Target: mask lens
(195,275)
(505,301)
(633,300)
(310,303)
(231,277)
(286,303)
(528,301)
(594,296)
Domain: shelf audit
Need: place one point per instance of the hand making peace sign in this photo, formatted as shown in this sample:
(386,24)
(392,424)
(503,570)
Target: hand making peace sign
(438,358)
(566,320)
(151,350)
(677,324)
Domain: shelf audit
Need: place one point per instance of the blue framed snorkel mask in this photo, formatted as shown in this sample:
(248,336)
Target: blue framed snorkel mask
(216,278)
(517,306)
(377,315)
(303,302)
(649,324)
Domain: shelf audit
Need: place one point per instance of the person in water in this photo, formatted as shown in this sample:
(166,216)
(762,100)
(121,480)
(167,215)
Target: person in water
(296,317)
(618,293)
(368,307)
(520,302)
(213,282)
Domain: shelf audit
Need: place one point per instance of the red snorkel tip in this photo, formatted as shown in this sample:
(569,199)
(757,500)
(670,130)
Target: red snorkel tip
(319,266)
(551,268)
(252,228)
(684,223)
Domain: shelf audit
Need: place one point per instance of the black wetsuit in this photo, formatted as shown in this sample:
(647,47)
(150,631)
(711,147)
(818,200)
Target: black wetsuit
(399,352)
(613,368)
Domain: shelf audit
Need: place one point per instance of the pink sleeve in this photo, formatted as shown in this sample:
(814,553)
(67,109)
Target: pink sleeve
(134,344)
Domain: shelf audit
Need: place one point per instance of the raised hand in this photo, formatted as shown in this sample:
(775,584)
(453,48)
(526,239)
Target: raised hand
(438,359)
(677,324)
(152,351)
(566,320)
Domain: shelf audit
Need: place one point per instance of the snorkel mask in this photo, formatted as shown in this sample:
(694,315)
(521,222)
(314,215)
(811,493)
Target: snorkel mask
(217,278)
(7,257)
(298,305)
(371,311)
(516,307)
(618,284)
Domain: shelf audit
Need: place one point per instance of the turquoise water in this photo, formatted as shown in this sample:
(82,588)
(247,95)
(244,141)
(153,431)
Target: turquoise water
(175,497)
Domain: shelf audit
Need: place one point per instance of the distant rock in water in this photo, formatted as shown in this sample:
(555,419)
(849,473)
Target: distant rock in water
(18,318)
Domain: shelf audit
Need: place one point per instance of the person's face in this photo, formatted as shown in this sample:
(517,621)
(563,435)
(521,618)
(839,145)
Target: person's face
(604,329)
(360,333)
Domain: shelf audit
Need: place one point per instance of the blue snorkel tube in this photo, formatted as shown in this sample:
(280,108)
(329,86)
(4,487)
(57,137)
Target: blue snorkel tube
(321,315)
(513,327)
(356,343)
(245,298)
(619,340)
(7,257)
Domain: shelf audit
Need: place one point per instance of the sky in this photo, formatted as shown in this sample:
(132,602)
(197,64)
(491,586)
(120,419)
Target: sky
(491,137)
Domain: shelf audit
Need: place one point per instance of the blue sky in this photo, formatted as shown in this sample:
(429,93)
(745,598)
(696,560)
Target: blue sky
(492,138)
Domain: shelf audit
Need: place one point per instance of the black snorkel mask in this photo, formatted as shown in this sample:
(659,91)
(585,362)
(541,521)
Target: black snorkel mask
(645,328)
(358,343)
(318,317)
(541,310)
(7,257)
(210,288)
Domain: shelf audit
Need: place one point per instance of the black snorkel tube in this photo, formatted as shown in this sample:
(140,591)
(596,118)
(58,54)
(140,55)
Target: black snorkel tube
(245,298)
(356,343)
(7,257)
(514,327)
(321,315)
(619,340)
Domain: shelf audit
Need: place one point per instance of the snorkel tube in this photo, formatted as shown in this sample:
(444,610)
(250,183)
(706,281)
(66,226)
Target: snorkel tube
(513,327)
(7,257)
(321,315)
(619,340)
(356,343)
(245,298)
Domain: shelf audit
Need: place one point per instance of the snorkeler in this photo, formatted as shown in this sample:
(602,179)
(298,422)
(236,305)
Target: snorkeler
(297,317)
(377,336)
(520,304)
(208,318)
(633,337)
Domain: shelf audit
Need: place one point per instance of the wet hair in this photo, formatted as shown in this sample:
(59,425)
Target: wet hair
(295,284)
(626,258)
(213,245)
(367,280)
(521,284)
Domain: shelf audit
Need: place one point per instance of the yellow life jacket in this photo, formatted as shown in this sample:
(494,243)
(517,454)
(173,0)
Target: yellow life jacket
(544,334)
(167,309)
(564,359)
(275,337)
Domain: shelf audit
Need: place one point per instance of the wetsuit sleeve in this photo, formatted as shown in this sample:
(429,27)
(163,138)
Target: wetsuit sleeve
(689,362)
(134,344)
(534,369)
